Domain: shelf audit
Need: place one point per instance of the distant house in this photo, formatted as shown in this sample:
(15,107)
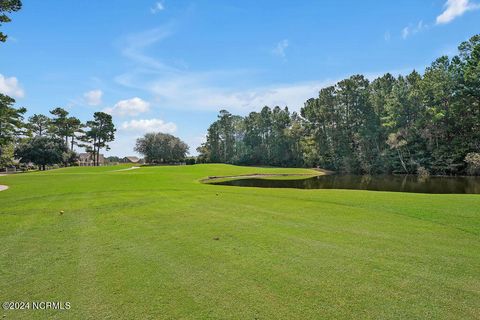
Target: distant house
(15,166)
(86,160)
(133,160)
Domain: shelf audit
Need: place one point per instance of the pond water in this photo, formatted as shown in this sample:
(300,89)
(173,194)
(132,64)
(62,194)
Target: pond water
(397,183)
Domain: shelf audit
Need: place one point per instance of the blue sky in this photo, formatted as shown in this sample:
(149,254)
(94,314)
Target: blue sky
(172,65)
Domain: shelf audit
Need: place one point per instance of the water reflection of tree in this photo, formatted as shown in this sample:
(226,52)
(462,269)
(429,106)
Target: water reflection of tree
(399,183)
(423,179)
(404,182)
(366,180)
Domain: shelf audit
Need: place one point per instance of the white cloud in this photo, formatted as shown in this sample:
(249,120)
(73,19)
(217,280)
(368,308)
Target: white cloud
(280,48)
(180,88)
(411,30)
(454,9)
(11,87)
(194,142)
(94,97)
(135,44)
(157,8)
(387,36)
(208,90)
(149,125)
(130,107)
(199,95)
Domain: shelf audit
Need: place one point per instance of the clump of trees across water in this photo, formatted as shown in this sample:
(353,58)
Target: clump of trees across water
(161,148)
(46,141)
(427,123)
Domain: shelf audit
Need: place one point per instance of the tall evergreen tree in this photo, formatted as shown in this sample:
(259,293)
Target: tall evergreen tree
(100,131)
(39,124)
(11,121)
(7,6)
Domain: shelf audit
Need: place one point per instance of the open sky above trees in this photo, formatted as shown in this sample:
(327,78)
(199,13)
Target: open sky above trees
(171,68)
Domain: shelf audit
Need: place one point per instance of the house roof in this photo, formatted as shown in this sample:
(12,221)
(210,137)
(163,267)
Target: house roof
(87,156)
(132,159)
(84,156)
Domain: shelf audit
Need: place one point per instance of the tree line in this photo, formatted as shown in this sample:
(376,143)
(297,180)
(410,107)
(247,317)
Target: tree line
(416,123)
(45,141)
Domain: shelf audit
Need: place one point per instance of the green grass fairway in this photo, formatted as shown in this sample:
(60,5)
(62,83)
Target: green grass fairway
(141,244)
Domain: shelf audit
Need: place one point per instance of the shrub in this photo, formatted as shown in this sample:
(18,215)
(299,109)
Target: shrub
(190,161)
(473,161)
(422,172)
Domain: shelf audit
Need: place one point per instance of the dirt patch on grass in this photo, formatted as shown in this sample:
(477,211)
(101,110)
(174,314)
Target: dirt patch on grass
(127,169)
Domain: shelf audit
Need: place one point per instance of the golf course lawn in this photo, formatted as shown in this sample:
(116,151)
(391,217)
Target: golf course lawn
(155,243)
